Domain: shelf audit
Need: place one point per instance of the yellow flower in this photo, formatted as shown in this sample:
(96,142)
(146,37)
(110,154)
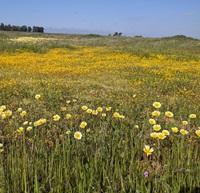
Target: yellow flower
(23,113)
(174,129)
(84,108)
(21,129)
(74,100)
(157,105)
(88,130)
(25,122)
(156,127)
(103,114)
(56,117)
(3,115)
(3,107)
(29,128)
(197,132)
(68,132)
(169,114)
(37,96)
(161,135)
(121,116)
(154,135)
(1,150)
(108,108)
(67,102)
(8,113)
(36,123)
(165,132)
(68,116)
(1,145)
(63,108)
(192,116)
(156,113)
(77,135)
(136,126)
(183,132)
(94,112)
(19,109)
(83,124)
(99,109)
(152,121)
(116,115)
(148,150)
(184,122)
(89,111)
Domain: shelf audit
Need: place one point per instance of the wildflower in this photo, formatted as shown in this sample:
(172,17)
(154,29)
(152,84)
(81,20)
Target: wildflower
(152,121)
(94,112)
(89,111)
(88,130)
(156,127)
(68,132)
(3,107)
(68,116)
(99,109)
(23,113)
(56,117)
(30,123)
(192,116)
(169,114)
(156,113)
(116,115)
(174,129)
(37,96)
(29,128)
(83,124)
(25,122)
(157,105)
(63,108)
(3,115)
(161,135)
(19,109)
(1,150)
(146,174)
(165,132)
(67,102)
(74,100)
(77,135)
(1,145)
(36,123)
(184,122)
(21,129)
(154,135)
(136,126)
(84,108)
(197,132)
(8,113)
(121,116)
(108,108)
(148,150)
(103,114)
(183,132)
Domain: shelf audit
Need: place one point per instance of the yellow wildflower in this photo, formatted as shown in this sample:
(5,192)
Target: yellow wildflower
(37,96)
(94,112)
(116,115)
(174,129)
(3,115)
(25,122)
(84,108)
(56,117)
(165,132)
(108,108)
(161,135)
(68,116)
(169,114)
(68,132)
(148,150)
(89,111)
(156,113)
(3,107)
(29,128)
(103,114)
(185,122)
(83,124)
(21,129)
(77,135)
(156,127)
(197,132)
(8,113)
(63,108)
(99,109)
(192,116)
(136,126)
(183,132)
(152,121)
(157,105)
(19,109)
(23,113)
(154,135)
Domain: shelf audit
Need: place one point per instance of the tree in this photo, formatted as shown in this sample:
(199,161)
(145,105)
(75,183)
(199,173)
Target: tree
(29,29)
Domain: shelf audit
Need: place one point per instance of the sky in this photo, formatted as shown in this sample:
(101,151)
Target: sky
(148,18)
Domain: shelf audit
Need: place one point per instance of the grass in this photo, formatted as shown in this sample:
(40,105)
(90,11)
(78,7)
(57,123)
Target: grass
(40,154)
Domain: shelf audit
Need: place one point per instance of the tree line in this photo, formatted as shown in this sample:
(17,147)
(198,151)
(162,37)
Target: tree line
(23,28)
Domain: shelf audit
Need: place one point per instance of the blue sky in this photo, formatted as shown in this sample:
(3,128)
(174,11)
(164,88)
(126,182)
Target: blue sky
(149,18)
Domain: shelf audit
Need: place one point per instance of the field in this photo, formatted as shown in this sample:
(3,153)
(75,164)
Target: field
(90,113)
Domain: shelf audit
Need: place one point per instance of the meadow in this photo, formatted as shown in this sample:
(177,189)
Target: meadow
(90,113)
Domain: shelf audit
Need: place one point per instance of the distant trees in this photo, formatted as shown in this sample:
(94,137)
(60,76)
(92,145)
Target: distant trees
(117,34)
(23,28)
